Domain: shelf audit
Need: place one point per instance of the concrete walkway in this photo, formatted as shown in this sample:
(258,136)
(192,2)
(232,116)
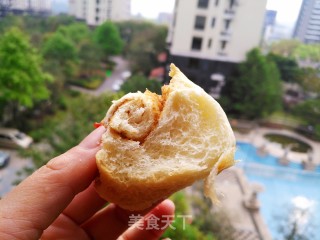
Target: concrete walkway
(234,190)
(111,83)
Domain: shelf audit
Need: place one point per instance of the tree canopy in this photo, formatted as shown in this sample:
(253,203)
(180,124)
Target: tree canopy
(288,67)
(310,79)
(296,49)
(21,78)
(144,41)
(60,48)
(140,83)
(254,91)
(76,32)
(108,38)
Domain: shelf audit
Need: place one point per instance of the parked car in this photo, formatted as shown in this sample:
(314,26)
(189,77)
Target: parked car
(126,74)
(4,159)
(117,85)
(13,138)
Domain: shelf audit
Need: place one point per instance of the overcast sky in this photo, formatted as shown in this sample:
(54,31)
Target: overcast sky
(288,10)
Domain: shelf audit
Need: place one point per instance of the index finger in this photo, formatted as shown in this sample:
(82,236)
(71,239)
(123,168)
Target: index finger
(34,204)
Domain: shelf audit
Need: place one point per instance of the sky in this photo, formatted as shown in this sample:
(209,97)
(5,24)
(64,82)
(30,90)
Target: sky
(151,9)
(288,10)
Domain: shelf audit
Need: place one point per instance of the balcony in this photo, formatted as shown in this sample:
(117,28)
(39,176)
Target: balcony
(225,35)
(221,53)
(229,13)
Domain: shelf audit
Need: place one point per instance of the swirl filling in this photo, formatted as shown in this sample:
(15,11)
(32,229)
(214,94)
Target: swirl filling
(135,115)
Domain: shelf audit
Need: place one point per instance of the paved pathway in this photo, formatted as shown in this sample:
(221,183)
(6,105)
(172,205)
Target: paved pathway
(8,174)
(111,83)
(234,188)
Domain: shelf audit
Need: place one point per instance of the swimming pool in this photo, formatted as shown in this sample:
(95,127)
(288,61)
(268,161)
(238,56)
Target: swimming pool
(290,193)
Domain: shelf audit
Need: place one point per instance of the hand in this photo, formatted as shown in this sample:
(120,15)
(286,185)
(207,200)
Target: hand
(58,201)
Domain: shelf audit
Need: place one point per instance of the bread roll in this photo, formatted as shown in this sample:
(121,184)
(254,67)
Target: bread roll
(156,145)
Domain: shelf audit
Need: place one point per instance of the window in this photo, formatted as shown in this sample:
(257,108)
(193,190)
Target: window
(217,3)
(97,1)
(196,43)
(209,43)
(193,63)
(200,22)
(203,3)
(227,24)
(213,22)
(223,45)
(231,3)
(97,10)
(97,19)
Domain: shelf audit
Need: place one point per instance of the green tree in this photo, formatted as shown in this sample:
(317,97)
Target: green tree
(144,41)
(288,67)
(285,48)
(181,228)
(297,50)
(89,57)
(76,32)
(310,79)
(108,38)
(309,111)
(22,81)
(59,48)
(309,52)
(140,83)
(61,57)
(52,23)
(255,90)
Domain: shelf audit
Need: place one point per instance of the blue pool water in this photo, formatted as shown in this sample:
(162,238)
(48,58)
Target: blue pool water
(290,193)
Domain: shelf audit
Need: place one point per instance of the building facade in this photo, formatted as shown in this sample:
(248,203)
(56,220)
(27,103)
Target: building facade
(31,5)
(95,12)
(268,25)
(307,28)
(208,38)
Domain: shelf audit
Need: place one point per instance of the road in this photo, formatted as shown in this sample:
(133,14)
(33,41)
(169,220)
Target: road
(111,83)
(8,174)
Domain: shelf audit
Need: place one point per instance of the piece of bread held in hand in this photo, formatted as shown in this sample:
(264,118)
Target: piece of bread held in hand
(156,145)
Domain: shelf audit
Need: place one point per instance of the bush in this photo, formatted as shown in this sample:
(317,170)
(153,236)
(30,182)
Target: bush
(141,83)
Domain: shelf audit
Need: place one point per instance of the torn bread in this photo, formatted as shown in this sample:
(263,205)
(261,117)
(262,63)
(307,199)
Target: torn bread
(156,145)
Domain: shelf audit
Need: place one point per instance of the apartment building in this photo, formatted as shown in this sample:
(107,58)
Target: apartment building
(307,28)
(209,37)
(95,12)
(34,5)
(268,25)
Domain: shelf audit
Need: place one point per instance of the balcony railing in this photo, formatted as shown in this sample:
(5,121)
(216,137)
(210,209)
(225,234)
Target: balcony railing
(230,11)
(222,53)
(225,35)
(229,14)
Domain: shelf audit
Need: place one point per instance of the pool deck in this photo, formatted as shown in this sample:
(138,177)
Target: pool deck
(234,190)
(256,137)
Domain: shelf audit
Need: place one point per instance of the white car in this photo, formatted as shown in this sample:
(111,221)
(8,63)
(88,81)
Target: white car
(126,74)
(117,85)
(13,138)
